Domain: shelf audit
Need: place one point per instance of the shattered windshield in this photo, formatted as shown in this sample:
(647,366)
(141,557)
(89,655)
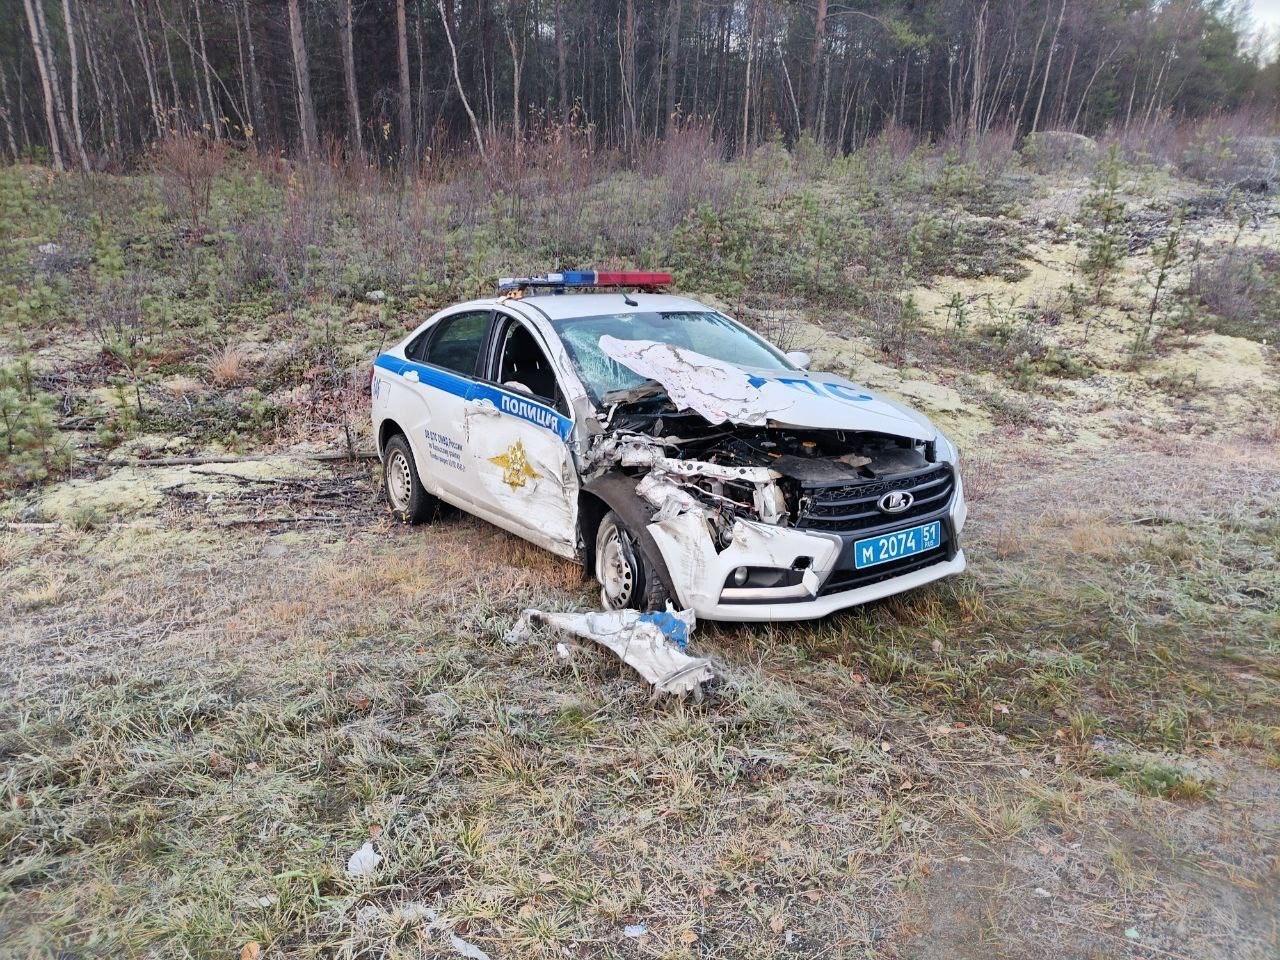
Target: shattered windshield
(702,331)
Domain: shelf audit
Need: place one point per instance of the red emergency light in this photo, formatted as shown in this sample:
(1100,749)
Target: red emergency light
(649,280)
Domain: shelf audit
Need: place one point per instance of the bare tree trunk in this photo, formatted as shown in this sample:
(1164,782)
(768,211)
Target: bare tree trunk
(243,70)
(1048,67)
(215,115)
(722,51)
(673,59)
(349,73)
(420,124)
(628,55)
(206,121)
(406,102)
(7,115)
(791,92)
(978,88)
(815,57)
(55,81)
(113,93)
(148,68)
(457,79)
(1064,92)
(517,62)
(168,59)
(1084,97)
(91,62)
(255,80)
(75,86)
(302,77)
(43,68)
(561,57)
(746,87)
(1035,61)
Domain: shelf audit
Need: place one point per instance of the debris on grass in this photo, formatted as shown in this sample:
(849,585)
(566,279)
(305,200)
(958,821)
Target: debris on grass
(413,913)
(652,644)
(364,861)
(466,949)
(402,914)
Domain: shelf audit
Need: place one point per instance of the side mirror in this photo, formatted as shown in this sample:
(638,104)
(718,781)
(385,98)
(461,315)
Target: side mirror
(518,387)
(800,359)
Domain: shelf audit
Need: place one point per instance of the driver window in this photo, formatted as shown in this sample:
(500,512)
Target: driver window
(522,361)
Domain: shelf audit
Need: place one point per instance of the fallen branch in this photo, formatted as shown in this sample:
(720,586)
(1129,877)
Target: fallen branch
(197,461)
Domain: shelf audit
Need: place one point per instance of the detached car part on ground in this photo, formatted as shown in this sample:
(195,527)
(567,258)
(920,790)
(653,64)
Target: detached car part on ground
(680,457)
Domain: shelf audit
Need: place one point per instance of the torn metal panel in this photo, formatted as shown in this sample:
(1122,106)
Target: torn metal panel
(721,392)
(669,499)
(662,485)
(717,390)
(645,642)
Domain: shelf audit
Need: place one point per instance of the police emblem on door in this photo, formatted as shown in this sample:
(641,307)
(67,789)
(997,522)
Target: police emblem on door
(516,471)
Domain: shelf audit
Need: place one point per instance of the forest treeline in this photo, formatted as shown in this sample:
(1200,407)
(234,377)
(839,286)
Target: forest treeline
(88,83)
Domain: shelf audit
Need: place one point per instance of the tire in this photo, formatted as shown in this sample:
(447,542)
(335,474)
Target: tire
(406,496)
(627,578)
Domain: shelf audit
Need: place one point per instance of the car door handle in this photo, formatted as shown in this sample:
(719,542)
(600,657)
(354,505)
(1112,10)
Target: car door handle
(482,408)
(411,376)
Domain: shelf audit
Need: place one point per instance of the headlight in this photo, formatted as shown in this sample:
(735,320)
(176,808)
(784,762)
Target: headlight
(947,452)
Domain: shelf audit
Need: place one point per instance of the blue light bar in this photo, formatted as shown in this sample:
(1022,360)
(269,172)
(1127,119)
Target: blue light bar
(643,279)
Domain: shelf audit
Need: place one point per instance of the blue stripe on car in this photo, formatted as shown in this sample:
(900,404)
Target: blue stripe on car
(514,404)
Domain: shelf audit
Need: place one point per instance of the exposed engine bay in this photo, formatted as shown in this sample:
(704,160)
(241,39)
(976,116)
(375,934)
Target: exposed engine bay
(756,493)
(765,474)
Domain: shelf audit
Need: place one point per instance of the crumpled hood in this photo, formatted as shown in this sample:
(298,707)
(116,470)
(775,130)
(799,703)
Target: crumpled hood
(721,391)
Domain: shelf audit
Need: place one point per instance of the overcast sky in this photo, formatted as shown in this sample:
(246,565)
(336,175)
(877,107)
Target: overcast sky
(1266,12)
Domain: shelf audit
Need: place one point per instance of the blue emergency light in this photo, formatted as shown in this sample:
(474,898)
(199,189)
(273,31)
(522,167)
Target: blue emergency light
(579,279)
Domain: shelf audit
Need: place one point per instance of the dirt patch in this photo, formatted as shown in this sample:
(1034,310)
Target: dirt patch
(130,491)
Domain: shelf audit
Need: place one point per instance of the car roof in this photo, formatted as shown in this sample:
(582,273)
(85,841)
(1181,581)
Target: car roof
(562,306)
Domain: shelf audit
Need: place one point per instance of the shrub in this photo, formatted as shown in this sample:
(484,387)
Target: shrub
(1105,215)
(188,165)
(1241,286)
(31,448)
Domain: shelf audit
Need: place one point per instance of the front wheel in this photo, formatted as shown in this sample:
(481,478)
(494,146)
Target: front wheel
(407,497)
(627,578)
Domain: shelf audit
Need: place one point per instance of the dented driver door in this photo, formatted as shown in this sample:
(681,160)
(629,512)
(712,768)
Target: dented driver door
(517,442)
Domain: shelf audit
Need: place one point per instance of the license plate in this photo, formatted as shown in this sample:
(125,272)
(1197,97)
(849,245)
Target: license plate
(896,545)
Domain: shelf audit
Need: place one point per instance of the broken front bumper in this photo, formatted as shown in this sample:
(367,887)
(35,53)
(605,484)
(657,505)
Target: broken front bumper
(820,576)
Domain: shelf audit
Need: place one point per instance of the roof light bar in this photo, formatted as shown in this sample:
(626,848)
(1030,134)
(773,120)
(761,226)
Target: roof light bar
(580,279)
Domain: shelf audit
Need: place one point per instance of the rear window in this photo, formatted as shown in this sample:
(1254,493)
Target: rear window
(456,342)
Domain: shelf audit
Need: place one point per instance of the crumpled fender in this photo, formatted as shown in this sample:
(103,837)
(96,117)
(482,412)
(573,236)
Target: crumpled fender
(618,491)
(702,565)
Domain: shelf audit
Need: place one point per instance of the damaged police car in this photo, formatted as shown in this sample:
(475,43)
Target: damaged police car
(676,454)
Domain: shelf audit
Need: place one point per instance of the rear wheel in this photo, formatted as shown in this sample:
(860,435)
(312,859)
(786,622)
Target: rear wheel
(407,497)
(627,578)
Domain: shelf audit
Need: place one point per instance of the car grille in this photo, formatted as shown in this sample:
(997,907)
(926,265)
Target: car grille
(846,507)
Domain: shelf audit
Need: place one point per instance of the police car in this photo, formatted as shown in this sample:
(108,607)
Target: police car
(676,454)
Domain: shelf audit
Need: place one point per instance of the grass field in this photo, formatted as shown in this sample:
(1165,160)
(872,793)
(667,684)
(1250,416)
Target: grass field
(220,680)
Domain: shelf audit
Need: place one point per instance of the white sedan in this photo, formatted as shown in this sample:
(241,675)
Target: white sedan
(676,454)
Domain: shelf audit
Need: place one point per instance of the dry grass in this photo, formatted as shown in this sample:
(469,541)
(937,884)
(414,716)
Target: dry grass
(230,367)
(217,742)
(206,707)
